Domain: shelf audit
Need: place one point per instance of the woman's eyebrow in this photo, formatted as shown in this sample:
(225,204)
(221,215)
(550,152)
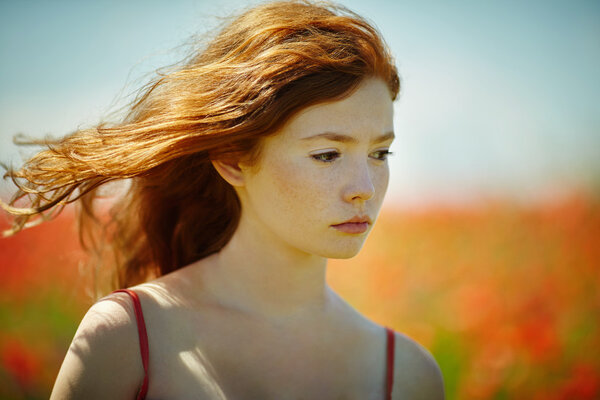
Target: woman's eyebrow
(337,137)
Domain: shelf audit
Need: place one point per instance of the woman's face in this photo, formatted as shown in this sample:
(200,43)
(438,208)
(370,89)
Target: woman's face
(326,166)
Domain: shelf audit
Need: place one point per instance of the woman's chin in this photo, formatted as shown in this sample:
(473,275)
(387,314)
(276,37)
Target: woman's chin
(345,251)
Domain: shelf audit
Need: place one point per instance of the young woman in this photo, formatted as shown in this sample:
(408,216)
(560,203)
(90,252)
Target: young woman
(249,166)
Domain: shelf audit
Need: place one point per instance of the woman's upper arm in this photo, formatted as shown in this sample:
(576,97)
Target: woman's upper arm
(104,360)
(416,373)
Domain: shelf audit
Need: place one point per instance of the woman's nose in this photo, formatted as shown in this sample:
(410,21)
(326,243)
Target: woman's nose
(360,184)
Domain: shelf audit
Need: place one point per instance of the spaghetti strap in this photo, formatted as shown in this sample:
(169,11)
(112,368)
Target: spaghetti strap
(141,325)
(389,383)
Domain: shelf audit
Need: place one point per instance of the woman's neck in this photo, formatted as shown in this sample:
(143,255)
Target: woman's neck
(259,274)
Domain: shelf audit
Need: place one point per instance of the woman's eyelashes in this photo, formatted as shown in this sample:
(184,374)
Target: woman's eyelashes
(327,156)
(381,155)
(330,156)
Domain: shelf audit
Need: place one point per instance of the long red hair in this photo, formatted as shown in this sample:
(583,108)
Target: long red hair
(263,67)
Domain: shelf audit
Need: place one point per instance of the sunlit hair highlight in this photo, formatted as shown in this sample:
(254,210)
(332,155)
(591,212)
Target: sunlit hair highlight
(261,69)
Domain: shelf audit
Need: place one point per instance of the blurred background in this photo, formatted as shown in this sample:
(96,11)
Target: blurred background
(487,249)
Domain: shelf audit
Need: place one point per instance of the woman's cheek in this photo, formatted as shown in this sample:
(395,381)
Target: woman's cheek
(381,185)
(296,180)
(290,183)
(383,178)
(303,193)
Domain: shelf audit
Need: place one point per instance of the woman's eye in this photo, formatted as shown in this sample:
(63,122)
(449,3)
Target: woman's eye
(381,155)
(326,157)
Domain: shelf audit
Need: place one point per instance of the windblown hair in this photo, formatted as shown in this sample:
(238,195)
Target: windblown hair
(261,69)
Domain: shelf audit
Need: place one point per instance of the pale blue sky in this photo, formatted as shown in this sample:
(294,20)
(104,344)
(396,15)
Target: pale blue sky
(498,98)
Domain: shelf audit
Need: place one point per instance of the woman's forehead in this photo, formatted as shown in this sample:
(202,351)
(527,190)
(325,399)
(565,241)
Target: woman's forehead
(368,110)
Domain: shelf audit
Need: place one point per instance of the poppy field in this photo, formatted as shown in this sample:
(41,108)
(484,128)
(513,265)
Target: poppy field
(505,296)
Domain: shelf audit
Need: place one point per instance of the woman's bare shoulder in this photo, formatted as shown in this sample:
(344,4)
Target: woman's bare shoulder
(416,373)
(104,358)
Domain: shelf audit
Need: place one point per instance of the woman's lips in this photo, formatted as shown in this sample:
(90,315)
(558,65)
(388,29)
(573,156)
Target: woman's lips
(352,227)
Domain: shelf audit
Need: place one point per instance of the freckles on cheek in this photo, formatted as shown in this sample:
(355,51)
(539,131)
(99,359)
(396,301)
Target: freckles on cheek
(298,189)
(380,180)
(289,181)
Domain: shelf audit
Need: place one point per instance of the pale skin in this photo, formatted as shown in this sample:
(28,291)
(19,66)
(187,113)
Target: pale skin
(257,320)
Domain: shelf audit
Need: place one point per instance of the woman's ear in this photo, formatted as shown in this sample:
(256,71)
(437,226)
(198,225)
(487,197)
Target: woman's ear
(230,171)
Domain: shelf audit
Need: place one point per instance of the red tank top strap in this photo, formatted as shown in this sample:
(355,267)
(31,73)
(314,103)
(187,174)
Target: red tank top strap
(389,383)
(143,335)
